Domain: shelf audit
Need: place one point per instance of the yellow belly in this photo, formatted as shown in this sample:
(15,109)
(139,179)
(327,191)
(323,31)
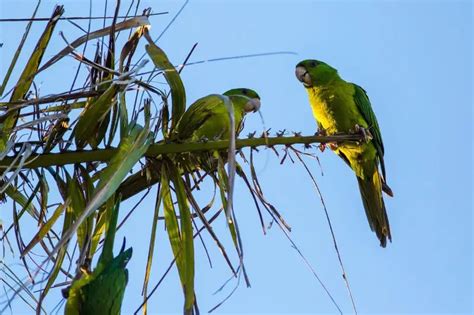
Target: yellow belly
(336,113)
(334,109)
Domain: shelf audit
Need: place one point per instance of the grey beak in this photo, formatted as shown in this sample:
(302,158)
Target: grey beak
(252,105)
(256,103)
(303,76)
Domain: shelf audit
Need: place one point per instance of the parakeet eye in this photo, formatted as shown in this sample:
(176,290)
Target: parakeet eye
(245,91)
(313,64)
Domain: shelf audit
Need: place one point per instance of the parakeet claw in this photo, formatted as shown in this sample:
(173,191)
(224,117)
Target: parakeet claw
(367,136)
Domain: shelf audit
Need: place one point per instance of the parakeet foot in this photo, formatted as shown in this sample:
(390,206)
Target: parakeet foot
(332,145)
(321,132)
(367,136)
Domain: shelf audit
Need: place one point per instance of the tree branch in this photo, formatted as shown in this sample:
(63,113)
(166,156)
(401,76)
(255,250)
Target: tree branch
(150,175)
(138,181)
(103,155)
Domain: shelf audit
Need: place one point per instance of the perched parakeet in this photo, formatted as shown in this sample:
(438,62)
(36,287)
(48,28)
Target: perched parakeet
(100,292)
(208,118)
(343,107)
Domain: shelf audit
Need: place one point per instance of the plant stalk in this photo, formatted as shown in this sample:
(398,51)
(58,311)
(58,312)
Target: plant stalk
(103,155)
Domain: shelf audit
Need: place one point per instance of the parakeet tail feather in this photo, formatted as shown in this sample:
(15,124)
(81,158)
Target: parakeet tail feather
(386,189)
(371,193)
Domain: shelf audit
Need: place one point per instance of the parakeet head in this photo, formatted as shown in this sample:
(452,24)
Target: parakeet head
(123,258)
(314,73)
(253,103)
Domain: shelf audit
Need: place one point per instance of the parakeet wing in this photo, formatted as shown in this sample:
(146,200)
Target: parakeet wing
(363,104)
(104,294)
(197,114)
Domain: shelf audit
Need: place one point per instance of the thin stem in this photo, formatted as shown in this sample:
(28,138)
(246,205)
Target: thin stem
(46,19)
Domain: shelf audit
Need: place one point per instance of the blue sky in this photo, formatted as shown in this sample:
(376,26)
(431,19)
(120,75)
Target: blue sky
(414,58)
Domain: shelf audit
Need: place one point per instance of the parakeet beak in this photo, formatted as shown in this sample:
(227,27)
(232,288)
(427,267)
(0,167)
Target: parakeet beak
(303,76)
(252,106)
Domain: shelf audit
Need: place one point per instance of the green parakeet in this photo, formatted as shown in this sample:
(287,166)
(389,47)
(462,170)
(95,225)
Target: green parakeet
(208,118)
(343,107)
(101,291)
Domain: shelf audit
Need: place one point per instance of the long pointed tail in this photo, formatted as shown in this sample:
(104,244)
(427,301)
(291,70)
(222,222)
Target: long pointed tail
(371,193)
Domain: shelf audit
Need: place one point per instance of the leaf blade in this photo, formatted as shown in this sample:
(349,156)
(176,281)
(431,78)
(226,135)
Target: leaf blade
(178,93)
(26,78)
(46,227)
(94,113)
(130,150)
(187,240)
